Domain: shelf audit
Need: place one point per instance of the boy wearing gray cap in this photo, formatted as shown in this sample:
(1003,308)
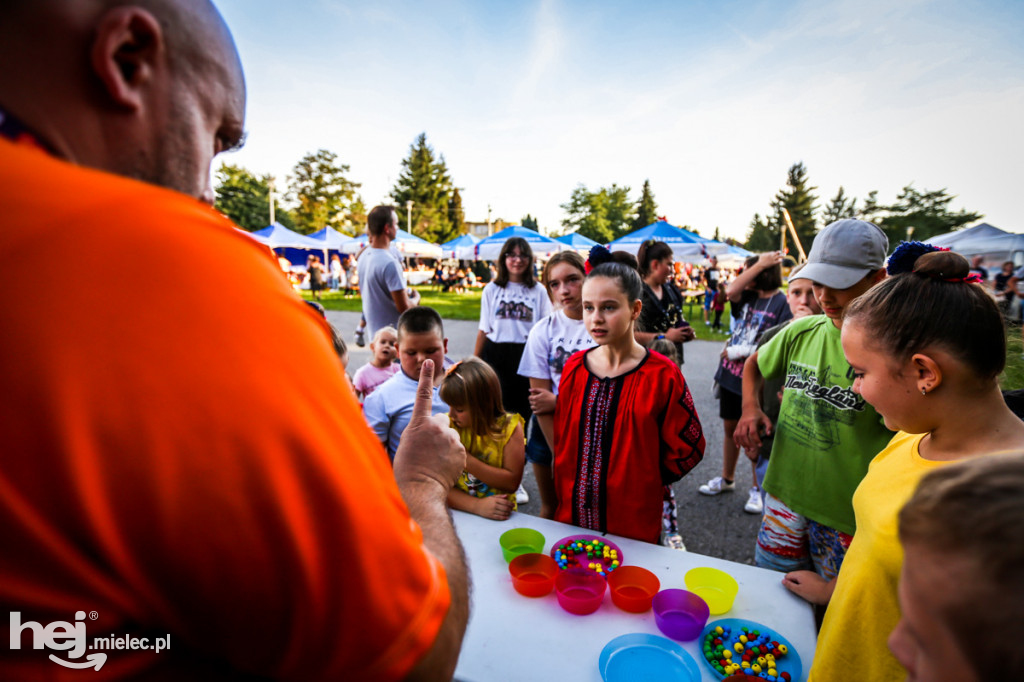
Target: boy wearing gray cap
(826,434)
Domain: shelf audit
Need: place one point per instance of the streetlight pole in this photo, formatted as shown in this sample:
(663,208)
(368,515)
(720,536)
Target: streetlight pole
(408,216)
(270,186)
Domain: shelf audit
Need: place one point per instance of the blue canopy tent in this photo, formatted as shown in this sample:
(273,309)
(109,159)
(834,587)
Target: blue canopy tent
(685,244)
(289,243)
(490,248)
(451,249)
(969,236)
(578,242)
(408,245)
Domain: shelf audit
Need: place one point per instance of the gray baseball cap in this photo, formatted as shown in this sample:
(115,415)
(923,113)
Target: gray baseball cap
(844,252)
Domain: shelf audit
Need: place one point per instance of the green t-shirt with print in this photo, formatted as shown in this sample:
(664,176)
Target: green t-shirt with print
(826,434)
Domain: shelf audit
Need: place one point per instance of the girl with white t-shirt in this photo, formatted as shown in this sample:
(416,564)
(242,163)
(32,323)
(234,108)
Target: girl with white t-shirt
(551,342)
(510,307)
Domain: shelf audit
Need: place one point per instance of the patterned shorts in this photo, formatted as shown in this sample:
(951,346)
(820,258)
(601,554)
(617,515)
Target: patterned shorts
(789,541)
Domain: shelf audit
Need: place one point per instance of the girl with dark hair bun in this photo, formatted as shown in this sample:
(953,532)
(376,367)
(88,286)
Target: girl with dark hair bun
(509,308)
(662,314)
(625,418)
(926,347)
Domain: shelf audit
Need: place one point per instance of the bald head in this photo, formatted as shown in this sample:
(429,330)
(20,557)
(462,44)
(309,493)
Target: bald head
(150,89)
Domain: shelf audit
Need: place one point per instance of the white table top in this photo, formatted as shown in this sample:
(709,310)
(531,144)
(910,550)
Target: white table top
(511,637)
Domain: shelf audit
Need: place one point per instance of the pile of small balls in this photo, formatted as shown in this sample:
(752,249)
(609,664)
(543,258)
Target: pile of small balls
(747,652)
(572,554)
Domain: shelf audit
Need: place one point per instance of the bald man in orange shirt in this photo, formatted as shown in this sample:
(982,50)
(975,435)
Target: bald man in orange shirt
(163,467)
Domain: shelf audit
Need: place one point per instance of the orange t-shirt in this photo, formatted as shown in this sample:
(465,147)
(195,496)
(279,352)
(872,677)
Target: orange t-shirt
(179,453)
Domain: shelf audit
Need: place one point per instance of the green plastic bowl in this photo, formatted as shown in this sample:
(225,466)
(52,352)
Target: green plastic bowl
(521,541)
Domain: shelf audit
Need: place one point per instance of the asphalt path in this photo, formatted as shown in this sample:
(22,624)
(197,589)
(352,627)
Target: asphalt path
(715,526)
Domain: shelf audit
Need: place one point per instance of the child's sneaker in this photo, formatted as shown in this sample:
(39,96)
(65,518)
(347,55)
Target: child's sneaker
(716,486)
(754,503)
(360,336)
(675,541)
(522,497)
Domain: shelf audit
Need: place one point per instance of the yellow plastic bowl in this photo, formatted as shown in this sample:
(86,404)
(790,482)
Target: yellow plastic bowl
(716,587)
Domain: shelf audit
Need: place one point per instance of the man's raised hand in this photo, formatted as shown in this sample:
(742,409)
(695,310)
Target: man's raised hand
(429,449)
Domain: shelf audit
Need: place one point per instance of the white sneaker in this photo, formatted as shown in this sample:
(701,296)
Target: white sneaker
(522,497)
(675,541)
(754,503)
(716,486)
(360,336)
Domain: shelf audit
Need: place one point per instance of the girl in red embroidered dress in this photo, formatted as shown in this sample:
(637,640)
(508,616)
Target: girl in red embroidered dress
(625,420)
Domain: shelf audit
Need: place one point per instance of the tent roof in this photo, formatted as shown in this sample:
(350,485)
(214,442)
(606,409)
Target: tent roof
(331,238)
(979,231)
(277,235)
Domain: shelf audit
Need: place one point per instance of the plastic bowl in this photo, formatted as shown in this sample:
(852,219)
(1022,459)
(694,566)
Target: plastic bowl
(521,541)
(633,588)
(680,614)
(716,587)
(533,575)
(579,591)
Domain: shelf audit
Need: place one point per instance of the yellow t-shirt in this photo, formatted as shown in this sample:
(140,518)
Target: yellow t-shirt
(488,450)
(864,608)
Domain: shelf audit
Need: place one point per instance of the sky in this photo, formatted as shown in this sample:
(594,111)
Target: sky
(712,102)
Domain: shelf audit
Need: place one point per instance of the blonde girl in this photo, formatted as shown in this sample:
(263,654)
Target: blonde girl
(493,439)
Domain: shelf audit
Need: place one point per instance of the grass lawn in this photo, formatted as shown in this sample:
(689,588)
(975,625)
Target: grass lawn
(450,306)
(1013,376)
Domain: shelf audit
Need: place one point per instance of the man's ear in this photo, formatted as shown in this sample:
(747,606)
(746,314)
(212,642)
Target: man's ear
(126,53)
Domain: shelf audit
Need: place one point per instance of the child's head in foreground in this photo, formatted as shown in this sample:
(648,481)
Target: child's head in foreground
(962,587)
(384,346)
(420,338)
(847,259)
(611,301)
(473,394)
(927,330)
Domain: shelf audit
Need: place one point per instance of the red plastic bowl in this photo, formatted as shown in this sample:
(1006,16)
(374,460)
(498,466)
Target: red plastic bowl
(633,588)
(579,591)
(533,575)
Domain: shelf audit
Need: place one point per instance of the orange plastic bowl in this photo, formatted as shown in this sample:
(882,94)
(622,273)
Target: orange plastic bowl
(533,575)
(633,588)
(579,591)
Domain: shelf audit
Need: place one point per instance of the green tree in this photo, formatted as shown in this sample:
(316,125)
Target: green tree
(646,209)
(717,236)
(321,191)
(245,198)
(799,200)
(870,210)
(356,216)
(530,223)
(841,206)
(763,235)
(456,216)
(604,215)
(424,180)
(927,212)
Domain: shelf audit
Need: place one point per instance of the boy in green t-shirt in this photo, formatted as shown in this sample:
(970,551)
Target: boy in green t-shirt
(826,434)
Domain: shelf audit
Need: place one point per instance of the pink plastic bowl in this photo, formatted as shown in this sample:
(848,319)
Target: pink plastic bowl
(580,592)
(680,614)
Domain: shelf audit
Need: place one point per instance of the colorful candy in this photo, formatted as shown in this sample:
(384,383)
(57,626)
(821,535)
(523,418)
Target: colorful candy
(747,651)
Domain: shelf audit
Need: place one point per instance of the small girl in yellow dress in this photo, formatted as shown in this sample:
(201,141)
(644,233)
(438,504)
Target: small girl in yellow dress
(493,437)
